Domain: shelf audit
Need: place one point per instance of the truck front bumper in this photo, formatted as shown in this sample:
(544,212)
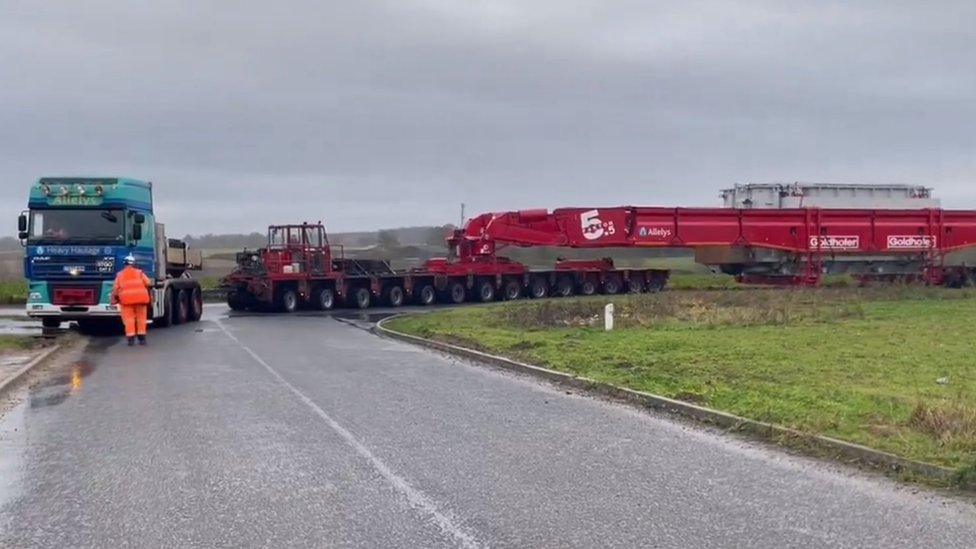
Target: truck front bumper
(71,312)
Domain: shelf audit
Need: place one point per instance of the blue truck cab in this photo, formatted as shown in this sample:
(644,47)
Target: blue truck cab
(76,232)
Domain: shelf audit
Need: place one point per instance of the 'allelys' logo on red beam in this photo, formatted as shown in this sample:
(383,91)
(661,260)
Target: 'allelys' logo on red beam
(827,243)
(911,242)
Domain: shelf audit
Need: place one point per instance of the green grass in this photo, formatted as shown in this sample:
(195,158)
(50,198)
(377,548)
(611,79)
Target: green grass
(16,343)
(13,292)
(704,281)
(893,369)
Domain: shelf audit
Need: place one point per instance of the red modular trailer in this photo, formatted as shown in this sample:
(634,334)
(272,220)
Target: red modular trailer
(807,241)
(299,267)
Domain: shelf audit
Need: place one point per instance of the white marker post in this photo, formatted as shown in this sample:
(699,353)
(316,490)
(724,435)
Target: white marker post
(608,317)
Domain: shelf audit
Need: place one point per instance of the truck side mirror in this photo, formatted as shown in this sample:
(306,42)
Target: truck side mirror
(139,219)
(137,232)
(22,224)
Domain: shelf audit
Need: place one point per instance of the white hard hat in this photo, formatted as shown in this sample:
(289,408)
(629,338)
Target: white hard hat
(129,259)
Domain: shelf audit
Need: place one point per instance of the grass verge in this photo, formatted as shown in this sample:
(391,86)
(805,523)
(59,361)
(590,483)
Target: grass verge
(16,343)
(13,292)
(891,368)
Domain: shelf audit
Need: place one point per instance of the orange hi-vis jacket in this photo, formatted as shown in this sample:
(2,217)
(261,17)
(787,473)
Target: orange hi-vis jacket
(131,287)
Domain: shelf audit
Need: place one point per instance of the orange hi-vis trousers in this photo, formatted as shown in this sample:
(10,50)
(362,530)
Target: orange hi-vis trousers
(134,319)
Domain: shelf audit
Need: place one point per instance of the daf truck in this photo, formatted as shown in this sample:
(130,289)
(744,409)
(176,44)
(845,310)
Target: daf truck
(76,232)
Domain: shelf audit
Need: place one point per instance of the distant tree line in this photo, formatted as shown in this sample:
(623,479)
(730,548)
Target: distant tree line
(386,239)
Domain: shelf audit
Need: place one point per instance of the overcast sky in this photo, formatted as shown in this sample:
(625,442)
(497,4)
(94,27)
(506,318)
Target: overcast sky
(372,114)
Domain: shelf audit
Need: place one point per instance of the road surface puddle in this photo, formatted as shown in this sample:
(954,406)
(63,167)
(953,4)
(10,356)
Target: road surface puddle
(19,325)
(16,425)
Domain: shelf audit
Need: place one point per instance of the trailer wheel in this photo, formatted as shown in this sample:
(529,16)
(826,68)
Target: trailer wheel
(588,287)
(324,298)
(538,289)
(196,304)
(486,291)
(657,283)
(456,292)
(362,298)
(635,286)
(611,285)
(512,290)
(288,300)
(394,296)
(235,301)
(564,287)
(425,295)
(167,319)
(182,308)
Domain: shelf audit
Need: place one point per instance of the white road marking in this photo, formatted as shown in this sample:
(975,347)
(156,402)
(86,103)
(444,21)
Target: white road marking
(415,497)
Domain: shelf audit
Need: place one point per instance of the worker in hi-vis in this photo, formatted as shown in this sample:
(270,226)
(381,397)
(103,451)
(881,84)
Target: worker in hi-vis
(131,293)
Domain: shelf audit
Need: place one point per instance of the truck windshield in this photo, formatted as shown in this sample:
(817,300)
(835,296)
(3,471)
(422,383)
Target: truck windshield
(63,226)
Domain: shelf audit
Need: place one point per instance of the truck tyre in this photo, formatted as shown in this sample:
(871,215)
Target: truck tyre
(394,296)
(196,304)
(636,285)
(539,288)
(512,290)
(288,300)
(361,298)
(611,285)
(425,295)
(51,322)
(166,320)
(235,301)
(182,308)
(587,287)
(456,293)
(324,298)
(564,287)
(485,291)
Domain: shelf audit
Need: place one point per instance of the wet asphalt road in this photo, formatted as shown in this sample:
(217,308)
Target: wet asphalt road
(307,431)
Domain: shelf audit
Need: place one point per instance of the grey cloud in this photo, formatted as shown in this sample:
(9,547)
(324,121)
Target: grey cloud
(374,114)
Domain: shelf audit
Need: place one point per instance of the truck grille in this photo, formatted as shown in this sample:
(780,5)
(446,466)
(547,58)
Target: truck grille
(68,268)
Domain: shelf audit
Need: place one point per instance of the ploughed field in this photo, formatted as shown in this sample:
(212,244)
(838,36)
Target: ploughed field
(890,368)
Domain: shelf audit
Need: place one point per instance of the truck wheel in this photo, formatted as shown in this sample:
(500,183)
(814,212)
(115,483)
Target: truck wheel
(196,304)
(394,296)
(167,319)
(425,295)
(485,291)
(512,290)
(288,300)
(587,287)
(611,285)
(539,288)
(324,299)
(456,293)
(51,322)
(235,301)
(635,285)
(362,298)
(182,307)
(564,287)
